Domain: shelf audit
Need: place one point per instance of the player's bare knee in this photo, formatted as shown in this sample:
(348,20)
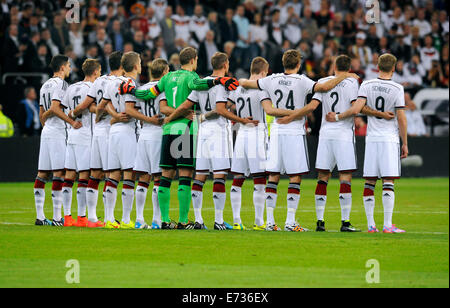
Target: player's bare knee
(143,177)
(274,178)
(43,175)
(115,175)
(345,176)
(97,174)
(69,174)
(391,181)
(84,175)
(129,175)
(324,176)
(169,173)
(295,179)
(185,172)
(201,177)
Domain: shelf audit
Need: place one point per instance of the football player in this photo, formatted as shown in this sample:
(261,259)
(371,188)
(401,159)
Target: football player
(287,147)
(53,140)
(99,149)
(383,150)
(149,147)
(78,152)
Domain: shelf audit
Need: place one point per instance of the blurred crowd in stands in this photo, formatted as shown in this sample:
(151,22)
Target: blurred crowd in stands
(416,31)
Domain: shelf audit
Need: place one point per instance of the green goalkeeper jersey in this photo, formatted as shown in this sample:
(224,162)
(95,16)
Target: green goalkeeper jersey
(177,86)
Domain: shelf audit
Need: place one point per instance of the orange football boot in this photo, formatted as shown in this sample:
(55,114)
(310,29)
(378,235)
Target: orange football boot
(81,222)
(98,224)
(69,221)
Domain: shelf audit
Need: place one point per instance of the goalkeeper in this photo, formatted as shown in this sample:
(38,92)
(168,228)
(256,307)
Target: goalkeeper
(178,148)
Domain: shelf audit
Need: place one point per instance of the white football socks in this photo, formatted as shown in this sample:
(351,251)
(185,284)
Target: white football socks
(388,203)
(259,195)
(197,200)
(127,200)
(141,197)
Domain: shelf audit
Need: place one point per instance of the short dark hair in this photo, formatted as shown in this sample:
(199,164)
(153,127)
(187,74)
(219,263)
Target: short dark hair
(343,63)
(187,54)
(157,67)
(259,64)
(90,66)
(114,60)
(218,60)
(57,62)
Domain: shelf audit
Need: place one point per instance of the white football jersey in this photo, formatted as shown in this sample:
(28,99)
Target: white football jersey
(206,101)
(96,92)
(150,108)
(118,102)
(288,92)
(248,104)
(338,100)
(382,95)
(53,89)
(74,96)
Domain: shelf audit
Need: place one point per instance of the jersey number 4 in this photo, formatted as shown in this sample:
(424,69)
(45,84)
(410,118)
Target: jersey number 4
(289,101)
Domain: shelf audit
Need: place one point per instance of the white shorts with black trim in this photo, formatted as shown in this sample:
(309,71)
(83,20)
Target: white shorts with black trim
(78,157)
(214,148)
(288,154)
(331,152)
(99,153)
(52,154)
(148,156)
(382,160)
(121,151)
(249,156)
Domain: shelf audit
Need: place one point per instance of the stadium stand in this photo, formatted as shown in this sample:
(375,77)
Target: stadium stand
(416,31)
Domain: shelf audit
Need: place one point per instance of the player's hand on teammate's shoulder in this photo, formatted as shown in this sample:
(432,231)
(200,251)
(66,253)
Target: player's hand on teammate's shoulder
(229,83)
(405,151)
(126,87)
(388,115)
(331,117)
(352,75)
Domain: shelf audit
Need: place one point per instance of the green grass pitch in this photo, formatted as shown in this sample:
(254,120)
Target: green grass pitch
(36,256)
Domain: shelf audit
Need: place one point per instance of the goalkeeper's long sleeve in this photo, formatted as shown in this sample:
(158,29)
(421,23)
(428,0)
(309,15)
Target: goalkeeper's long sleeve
(198,84)
(147,94)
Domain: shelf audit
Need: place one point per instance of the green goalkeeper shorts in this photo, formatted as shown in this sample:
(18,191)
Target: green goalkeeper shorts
(177,151)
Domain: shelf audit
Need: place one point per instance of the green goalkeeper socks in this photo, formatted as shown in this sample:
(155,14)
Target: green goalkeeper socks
(184,198)
(164,198)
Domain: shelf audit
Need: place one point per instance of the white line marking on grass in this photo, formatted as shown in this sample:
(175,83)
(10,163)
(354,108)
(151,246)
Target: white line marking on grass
(14,223)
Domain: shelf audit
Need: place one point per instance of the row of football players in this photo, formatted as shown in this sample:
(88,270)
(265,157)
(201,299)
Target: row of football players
(287,150)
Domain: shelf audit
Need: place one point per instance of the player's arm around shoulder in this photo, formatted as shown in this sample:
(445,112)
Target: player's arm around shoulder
(330,84)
